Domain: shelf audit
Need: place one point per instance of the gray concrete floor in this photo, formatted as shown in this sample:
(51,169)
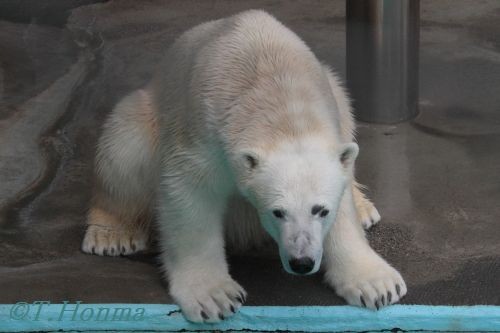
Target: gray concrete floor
(435,180)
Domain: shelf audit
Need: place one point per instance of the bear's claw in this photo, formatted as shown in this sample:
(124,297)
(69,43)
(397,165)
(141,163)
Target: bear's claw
(373,288)
(104,241)
(210,301)
(369,216)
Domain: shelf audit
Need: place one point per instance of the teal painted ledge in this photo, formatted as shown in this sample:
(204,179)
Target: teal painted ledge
(23,317)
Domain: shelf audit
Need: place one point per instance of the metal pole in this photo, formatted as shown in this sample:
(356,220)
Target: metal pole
(382,59)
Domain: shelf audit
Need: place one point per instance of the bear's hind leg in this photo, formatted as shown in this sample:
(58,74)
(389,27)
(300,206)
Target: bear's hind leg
(113,230)
(368,215)
(126,177)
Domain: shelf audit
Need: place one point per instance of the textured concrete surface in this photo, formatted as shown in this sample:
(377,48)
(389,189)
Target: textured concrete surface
(435,180)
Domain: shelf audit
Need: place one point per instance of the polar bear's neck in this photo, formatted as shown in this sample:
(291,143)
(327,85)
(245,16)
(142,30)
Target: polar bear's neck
(282,109)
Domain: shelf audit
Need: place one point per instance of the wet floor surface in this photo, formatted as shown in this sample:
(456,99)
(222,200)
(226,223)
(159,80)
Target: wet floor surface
(435,180)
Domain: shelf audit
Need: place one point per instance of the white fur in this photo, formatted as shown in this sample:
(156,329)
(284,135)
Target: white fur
(127,158)
(249,122)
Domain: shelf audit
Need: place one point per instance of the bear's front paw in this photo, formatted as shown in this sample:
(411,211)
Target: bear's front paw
(208,301)
(373,288)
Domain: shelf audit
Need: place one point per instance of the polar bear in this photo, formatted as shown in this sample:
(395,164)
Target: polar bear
(241,135)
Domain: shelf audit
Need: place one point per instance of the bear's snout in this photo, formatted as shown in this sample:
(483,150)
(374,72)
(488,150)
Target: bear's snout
(301,265)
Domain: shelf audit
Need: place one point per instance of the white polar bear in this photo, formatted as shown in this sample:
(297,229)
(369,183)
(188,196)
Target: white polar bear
(240,124)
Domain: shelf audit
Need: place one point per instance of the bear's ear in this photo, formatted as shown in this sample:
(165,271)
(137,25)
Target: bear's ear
(348,153)
(251,160)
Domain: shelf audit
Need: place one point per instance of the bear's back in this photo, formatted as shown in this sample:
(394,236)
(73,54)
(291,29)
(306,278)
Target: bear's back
(229,74)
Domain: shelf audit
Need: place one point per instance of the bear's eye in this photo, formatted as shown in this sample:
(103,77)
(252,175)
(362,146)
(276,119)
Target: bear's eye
(316,209)
(279,213)
(324,212)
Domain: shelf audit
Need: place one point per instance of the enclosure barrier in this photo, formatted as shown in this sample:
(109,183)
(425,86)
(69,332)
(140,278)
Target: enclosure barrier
(167,318)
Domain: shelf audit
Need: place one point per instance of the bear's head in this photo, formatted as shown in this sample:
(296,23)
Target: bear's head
(296,189)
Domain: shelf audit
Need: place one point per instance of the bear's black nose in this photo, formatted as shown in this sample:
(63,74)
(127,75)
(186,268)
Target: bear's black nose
(301,265)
